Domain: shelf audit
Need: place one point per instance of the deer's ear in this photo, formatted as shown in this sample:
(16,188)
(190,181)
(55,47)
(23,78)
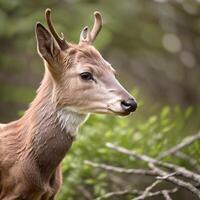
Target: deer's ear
(47,47)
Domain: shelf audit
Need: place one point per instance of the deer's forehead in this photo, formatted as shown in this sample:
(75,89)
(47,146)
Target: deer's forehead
(92,58)
(89,55)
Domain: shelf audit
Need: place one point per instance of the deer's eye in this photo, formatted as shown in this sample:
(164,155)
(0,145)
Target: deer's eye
(86,76)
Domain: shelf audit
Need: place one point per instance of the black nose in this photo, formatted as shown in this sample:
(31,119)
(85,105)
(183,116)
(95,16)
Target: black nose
(129,105)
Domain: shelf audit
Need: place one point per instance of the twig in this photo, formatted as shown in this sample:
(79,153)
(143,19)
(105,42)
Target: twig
(118,193)
(179,170)
(143,194)
(186,141)
(167,176)
(176,181)
(147,190)
(121,170)
(134,192)
(189,160)
(152,194)
(166,195)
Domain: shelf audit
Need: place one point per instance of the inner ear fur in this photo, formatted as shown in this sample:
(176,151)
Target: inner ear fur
(48,49)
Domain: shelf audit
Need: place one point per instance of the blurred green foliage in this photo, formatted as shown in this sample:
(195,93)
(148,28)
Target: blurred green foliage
(151,136)
(153,44)
(10,92)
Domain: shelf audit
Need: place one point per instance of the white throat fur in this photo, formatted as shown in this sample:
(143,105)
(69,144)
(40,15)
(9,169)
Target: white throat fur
(71,120)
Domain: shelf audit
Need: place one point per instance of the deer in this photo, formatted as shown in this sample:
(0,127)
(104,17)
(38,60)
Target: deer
(77,81)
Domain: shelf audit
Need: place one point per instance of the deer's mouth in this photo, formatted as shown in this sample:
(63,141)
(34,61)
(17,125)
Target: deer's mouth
(120,113)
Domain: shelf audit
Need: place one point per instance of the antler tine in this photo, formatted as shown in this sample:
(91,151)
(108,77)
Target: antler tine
(60,40)
(85,36)
(97,25)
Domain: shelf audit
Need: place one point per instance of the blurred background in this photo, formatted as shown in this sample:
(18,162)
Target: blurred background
(155,47)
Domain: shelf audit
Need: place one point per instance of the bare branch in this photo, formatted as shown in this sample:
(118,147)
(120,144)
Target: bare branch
(118,193)
(176,181)
(143,194)
(147,190)
(121,170)
(166,195)
(165,177)
(179,170)
(157,169)
(189,160)
(186,142)
(134,192)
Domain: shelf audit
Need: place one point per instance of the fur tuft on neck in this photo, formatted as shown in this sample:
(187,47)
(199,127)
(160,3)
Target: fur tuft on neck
(70,120)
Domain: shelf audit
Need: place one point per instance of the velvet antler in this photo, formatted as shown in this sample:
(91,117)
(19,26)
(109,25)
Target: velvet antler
(60,40)
(89,36)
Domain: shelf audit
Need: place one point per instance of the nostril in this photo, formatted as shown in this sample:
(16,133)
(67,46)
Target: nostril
(125,103)
(129,105)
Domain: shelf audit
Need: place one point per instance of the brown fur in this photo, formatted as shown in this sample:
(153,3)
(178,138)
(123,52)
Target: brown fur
(32,148)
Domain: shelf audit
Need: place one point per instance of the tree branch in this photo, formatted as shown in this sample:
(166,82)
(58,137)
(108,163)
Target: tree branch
(176,181)
(147,190)
(186,142)
(121,170)
(188,159)
(134,192)
(179,170)
(166,195)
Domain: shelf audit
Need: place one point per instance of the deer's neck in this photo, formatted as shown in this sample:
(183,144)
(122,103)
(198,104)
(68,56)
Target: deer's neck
(49,131)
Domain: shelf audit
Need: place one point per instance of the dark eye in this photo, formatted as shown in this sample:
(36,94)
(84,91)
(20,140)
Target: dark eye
(86,76)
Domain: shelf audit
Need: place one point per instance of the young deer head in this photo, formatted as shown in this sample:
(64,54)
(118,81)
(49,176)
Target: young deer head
(83,80)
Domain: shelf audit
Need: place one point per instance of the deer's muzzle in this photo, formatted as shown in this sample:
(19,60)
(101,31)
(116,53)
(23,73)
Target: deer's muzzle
(129,105)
